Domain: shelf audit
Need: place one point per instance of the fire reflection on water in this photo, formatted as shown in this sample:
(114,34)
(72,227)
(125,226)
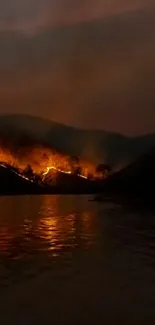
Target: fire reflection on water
(50,225)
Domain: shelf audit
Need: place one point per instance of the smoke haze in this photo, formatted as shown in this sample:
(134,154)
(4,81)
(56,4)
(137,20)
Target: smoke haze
(91,66)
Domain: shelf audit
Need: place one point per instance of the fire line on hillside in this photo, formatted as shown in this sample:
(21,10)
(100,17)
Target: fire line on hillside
(38,163)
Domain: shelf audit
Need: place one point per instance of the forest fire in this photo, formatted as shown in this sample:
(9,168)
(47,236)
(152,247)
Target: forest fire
(39,163)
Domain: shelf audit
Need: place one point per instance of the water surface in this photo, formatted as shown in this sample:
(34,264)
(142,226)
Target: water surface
(67,260)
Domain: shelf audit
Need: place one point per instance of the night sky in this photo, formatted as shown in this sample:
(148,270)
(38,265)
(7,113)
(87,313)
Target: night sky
(87,63)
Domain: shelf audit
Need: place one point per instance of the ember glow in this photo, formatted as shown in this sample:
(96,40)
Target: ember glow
(43,162)
(50,169)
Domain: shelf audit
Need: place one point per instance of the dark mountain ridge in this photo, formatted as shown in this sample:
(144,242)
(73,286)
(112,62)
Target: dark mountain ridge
(17,131)
(135,181)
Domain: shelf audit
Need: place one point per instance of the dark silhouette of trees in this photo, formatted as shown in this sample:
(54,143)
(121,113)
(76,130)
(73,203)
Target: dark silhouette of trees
(90,176)
(38,179)
(28,172)
(103,169)
(75,165)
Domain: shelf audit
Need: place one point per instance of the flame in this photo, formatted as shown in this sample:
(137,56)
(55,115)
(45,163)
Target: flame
(44,162)
(48,169)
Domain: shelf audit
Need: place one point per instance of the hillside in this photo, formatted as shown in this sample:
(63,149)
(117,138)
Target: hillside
(136,180)
(18,131)
(14,184)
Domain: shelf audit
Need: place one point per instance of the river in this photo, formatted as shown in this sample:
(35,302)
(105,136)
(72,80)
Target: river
(67,260)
